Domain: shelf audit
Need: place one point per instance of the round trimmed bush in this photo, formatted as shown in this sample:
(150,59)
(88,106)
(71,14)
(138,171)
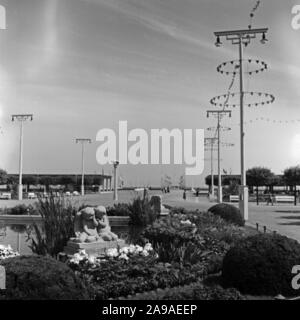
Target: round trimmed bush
(262,265)
(41,278)
(229,213)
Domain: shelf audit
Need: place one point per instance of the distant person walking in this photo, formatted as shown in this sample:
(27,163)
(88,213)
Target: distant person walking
(270,199)
(184,195)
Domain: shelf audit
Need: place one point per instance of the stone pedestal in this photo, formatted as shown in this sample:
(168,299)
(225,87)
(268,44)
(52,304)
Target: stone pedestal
(2,278)
(93,248)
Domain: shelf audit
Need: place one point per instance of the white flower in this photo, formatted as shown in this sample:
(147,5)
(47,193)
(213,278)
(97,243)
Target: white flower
(187,222)
(123,256)
(148,247)
(131,248)
(113,252)
(145,253)
(138,249)
(7,252)
(92,259)
(124,250)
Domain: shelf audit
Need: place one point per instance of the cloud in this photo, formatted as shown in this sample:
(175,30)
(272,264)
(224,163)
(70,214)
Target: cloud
(154,22)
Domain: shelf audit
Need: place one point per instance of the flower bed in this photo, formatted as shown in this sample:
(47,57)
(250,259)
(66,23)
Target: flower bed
(119,277)
(193,238)
(177,250)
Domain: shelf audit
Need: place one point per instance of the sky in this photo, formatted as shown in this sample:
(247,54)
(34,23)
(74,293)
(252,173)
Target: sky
(83,65)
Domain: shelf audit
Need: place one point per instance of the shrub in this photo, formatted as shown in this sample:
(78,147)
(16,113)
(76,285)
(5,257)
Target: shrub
(142,212)
(21,209)
(119,209)
(177,210)
(39,278)
(262,265)
(171,230)
(57,226)
(177,238)
(194,291)
(228,213)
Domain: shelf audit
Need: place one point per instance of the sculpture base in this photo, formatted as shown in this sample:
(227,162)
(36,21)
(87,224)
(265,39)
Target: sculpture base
(92,248)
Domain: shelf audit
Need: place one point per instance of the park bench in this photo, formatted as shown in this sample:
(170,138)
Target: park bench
(5,196)
(234,198)
(32,195)
(284,199)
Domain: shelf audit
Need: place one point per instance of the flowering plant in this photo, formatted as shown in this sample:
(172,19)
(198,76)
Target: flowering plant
(126,252)
(82,258)
(7,252)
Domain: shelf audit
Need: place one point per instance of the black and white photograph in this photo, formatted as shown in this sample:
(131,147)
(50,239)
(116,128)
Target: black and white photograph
(149,151)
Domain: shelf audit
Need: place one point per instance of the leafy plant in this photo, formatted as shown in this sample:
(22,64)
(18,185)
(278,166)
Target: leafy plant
(57,226)
(142,212)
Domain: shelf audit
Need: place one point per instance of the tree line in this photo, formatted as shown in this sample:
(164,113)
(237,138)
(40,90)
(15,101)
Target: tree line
(48,180)
(261,176)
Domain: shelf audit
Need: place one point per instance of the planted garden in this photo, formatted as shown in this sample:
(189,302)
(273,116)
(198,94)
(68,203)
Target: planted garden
(185,255)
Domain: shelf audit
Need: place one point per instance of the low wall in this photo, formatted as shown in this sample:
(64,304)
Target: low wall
(115,221)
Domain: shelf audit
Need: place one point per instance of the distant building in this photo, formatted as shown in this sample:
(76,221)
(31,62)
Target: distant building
(60,181)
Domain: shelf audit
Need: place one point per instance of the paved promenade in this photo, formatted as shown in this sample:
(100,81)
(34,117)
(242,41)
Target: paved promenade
(283,218)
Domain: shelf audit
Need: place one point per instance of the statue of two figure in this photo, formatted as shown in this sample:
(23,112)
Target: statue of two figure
(92,225)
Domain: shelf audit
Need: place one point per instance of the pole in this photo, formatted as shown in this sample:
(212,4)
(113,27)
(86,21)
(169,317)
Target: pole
(239,37)
(20,187)
(82,172)
(212,170)
(243,190)
(219,114)
(220,196)
(115,182)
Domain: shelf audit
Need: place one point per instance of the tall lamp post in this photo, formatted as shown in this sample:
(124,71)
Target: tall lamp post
(21,118)
(116,164)
(210,142)
(220,114)
(83,141)
(240,37)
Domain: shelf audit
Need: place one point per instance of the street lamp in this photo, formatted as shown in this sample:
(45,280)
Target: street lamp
(211,142)
(115,164)
(240,37)
(83,141)
(21,118)
(220,114)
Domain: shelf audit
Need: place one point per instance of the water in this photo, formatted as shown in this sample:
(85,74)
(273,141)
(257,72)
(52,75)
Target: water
(17,235)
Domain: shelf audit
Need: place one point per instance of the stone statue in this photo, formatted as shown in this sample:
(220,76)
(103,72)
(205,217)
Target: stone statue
(103,228)
(85,226)
(93,233)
